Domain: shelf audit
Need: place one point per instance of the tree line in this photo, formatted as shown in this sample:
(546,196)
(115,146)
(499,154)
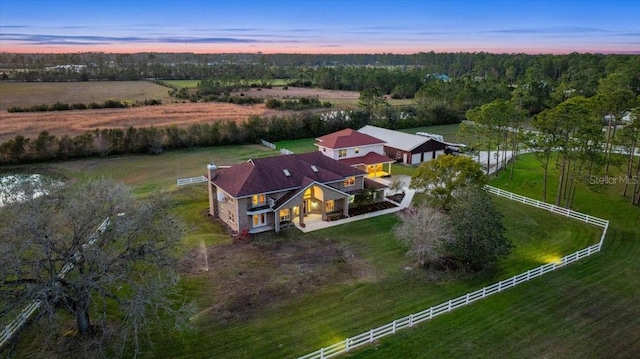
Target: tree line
(154,140)
(62,106)
(578,135)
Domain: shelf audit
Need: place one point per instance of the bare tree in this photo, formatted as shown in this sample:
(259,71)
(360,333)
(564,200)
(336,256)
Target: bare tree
(121,274)
(424,230)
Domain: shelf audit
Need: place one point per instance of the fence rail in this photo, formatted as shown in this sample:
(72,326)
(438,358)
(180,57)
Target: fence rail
(442,308)
(12,328)
(192,180)
(268,144)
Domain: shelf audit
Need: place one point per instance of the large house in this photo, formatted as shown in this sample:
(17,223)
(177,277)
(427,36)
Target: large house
(275,192)
(356,149)
(405,147)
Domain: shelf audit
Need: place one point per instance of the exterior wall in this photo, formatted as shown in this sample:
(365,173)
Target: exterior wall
(223,208)
(359,184)
(243,220)
(397,154)
(351,151)
(423,153)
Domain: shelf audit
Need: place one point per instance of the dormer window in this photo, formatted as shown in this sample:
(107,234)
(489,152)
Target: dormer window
(342,153)
(351,181)
(258,200)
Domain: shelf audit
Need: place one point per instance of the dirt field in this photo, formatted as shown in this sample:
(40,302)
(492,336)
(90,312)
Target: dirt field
(242,278)
(30,124)
(25,94)
(76,122)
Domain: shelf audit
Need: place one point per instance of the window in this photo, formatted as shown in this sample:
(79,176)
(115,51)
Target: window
(357,150)
(342,153)
(351,181)
(232,217)
(329,206)
(258,200)
(285,215)
(259,220)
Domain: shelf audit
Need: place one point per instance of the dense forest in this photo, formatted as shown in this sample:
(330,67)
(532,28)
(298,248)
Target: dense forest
(495,90)
(578,71)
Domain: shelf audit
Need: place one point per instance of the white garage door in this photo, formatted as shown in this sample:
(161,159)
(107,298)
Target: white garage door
(415,158)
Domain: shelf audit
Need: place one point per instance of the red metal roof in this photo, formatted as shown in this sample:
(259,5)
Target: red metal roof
(347,138)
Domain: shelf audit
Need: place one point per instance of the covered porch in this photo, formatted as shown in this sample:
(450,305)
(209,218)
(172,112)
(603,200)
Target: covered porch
(373,164)
(314,203)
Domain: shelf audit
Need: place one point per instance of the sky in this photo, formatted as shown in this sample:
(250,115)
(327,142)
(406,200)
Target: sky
(327,26)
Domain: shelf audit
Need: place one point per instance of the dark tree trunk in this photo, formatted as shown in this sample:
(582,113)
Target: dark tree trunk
(81,311)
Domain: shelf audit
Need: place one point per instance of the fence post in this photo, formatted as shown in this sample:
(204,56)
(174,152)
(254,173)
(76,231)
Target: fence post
(346,345)
(484,292)
(371,336)
(500,286)
(449,306)
(411,320)
(467,301)
(321,353)
(394,327)
(431,313)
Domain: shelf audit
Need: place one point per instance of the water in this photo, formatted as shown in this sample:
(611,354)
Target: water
(12,187)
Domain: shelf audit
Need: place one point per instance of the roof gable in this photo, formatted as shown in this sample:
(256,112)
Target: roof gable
(347,138)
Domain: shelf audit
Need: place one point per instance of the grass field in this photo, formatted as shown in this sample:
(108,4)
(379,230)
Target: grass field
(194,83)
(255,307)
(587,310)
(25,94)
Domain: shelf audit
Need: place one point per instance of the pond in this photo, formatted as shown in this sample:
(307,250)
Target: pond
(15,187)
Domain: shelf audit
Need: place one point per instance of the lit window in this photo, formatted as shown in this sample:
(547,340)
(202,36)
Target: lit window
(259,220)
(342,153)
(285,215)
(351,181)
(357,149)
(232,217)
(258,200)
(329,206)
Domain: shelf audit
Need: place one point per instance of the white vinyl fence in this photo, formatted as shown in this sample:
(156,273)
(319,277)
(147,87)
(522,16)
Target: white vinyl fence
(12,328)
(427,314)
(284,151)
(268,144)
(192,180)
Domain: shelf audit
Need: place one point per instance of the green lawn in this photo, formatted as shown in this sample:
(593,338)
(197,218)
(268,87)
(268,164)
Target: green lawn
(586,310)
(549,316)
(183,83)
(194,83)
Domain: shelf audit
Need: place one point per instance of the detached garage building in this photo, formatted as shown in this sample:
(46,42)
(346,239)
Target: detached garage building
(404,147)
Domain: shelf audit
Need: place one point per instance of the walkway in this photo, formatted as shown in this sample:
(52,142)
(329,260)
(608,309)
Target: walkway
(406,201)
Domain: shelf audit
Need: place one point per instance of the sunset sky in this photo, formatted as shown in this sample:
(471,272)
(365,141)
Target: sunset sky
(347,26)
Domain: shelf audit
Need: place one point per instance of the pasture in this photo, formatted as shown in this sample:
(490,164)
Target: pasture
(194,83)
(289,294)
(586,310)
(338,98)
(26,94)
